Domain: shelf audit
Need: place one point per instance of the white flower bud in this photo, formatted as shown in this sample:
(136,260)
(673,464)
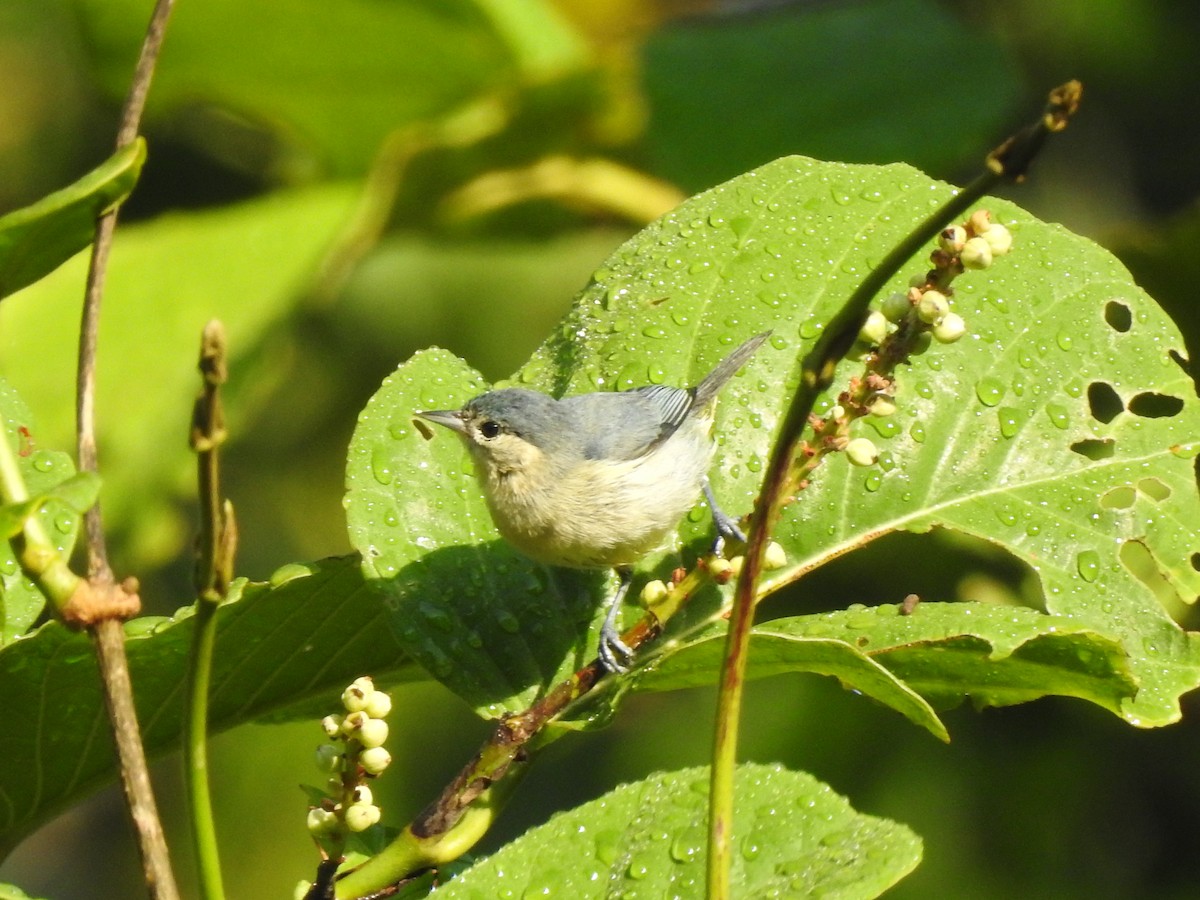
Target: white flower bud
(362,794)
(654,592)
(360,817)
(720,568)
(874,328)
(882,405)
(932,307)
(332,726)
(952,239)
(354,722)
(976,254)
(373,732)
(774,557)
(374,760)
(979,221)
(379,704)
(354,698)
(950,329)
(735,565)
(862,452)
(999,239)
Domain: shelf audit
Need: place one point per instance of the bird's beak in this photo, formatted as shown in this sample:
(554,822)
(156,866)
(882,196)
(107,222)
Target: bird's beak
(451,418)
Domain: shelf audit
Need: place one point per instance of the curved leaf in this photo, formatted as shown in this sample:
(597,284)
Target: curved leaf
(796,838)
(39,238)
(61,494)
(1004,435)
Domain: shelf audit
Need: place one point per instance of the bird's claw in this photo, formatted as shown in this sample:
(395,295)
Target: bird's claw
(615,655)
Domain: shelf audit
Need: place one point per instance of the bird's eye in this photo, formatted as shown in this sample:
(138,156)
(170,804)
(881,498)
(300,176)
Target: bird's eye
(489,429)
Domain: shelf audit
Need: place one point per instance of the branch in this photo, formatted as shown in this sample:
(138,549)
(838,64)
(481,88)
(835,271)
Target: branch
(1010,160)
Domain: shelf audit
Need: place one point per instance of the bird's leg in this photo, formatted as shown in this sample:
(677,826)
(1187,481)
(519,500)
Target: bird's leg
(615,655)
(727,527)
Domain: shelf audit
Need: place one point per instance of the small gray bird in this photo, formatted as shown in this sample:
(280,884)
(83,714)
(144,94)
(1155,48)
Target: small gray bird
(596,480)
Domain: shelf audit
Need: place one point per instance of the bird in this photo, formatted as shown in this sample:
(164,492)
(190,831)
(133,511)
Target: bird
(596,480)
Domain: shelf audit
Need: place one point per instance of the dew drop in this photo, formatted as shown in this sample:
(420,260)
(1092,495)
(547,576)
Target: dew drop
(64,522)
(1007,515)
(1088,565)
(1073,389)
(1011,420)
(811,327)
(43,461)
(923,389)
(654,331)
(1059,417)
(873,481)
(1064,339)
(917,432)
(508,621)
(989,391)
(381,464)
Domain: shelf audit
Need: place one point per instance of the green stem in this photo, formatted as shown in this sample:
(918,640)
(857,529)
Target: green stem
(817,372)
(195,752)
(214,566)
(409,854)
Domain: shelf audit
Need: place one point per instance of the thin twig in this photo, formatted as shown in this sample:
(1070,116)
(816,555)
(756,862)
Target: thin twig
(214,569)
(108,637)
(1010,160)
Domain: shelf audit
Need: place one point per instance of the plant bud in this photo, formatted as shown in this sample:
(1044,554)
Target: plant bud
(374,760)
(320,821)
(895,307)
(329,757)
(774,557)
(362,795)
(874,329)
(862,452)
(976,254)
(654,592)
(373,732)
(932,307)
(882,405)
(999,239)
(332,726)
(354,698)
(950,329)
(952,239)
(379,704)
(361,816)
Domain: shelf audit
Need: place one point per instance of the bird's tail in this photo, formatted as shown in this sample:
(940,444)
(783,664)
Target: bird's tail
(707,389)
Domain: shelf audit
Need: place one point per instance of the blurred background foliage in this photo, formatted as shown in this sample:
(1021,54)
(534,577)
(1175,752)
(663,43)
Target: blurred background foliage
(348,182)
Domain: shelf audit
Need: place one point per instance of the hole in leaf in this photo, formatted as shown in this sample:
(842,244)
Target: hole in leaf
(1141,564)
(1118,498)
(1181,361)
(1118,315)
(1103,401)
(1155,406)
(1154,488)
(1095,448)
(1196,561)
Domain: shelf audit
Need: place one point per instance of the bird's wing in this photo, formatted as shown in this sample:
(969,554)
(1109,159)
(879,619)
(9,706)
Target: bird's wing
(628,424)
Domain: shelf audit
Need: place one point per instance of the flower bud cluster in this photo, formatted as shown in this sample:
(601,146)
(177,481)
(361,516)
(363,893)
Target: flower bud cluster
(353,754)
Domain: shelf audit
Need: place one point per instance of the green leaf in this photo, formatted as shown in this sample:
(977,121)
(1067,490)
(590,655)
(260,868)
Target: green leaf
(242,264)
(348,75)
(775,649)
(284,650)
(795,838)
(60,496)
(12,892)
(996,436)
(944,652)
(39,238)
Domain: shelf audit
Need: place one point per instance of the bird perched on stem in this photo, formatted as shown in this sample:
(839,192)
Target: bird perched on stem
(596,480)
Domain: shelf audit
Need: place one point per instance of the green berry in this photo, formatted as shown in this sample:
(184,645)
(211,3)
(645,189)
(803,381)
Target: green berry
(895,307)
(976,254)
(862,452)
(329,757)
(932,307)
(374,760)
(950,329)
(320,821)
